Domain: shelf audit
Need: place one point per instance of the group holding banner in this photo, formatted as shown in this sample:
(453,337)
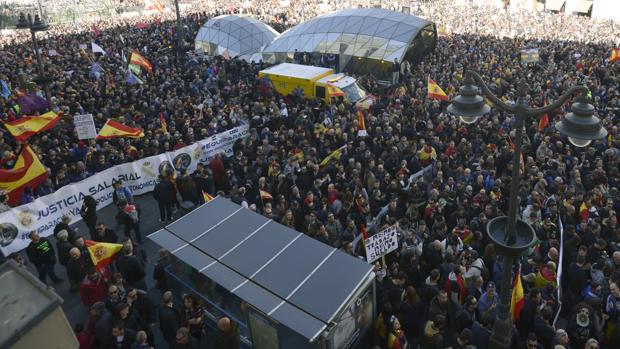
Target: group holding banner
(43,214)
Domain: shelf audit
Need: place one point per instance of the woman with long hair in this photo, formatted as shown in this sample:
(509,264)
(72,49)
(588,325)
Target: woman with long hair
(193,315)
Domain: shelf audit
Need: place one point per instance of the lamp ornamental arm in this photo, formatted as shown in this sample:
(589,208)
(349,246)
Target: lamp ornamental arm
(534,112)
(485,91)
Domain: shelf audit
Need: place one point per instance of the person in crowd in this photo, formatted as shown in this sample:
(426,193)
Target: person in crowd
(228,334)
(104,234)
(169,318)
(193,315)
(131,268)
(159,272)
(142,341)
(130,218)
(41,254)
(88,211)
(94,287)
(64,225)
(4,198)
(163,193)
(77,267)
(100,322)
(63,246)
(184,340)
(121,337)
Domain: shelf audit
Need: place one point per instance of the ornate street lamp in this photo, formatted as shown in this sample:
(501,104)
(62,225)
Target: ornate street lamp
(510,234)
(37,26)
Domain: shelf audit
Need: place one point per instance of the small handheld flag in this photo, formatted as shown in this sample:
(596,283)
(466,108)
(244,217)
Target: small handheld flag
(207,197)
(162,121)
(361,125)
(517,302)
(615,55)
(435,92)
(97,49)
(114,129)
(28,126)
(139,60)
(102,253)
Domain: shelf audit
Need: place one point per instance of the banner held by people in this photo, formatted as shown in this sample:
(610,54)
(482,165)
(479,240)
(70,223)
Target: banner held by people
(140,176)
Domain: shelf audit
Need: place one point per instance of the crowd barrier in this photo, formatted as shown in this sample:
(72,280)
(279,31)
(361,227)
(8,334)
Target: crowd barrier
(44,213)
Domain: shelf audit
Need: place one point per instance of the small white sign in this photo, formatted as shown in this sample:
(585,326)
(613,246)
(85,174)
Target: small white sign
(381,244)
(85,126)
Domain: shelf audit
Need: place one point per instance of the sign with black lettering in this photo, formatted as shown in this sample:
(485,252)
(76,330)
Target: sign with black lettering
(381,244)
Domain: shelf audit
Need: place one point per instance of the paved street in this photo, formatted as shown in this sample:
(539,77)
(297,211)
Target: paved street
(73,307)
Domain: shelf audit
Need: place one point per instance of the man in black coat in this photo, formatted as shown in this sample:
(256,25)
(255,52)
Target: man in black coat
(183,340)
(77,265)
(41,253)
(121,337)
(169,318)
(131,267)
(104,234)
(228,334)
(525,323)
(64,225)
(163,194)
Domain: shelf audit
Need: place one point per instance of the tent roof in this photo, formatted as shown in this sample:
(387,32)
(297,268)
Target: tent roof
(298,281)
(362,32)
(241,35)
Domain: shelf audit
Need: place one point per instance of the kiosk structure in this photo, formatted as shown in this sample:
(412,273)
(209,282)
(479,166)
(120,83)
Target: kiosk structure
(282,288)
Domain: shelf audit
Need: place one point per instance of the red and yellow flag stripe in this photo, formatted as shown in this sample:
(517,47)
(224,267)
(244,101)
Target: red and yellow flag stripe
(28,126)
(435,92)
(27,172)
(114,129)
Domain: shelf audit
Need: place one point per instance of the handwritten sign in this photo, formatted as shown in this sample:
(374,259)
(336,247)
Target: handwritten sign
(85,126)
(381,244)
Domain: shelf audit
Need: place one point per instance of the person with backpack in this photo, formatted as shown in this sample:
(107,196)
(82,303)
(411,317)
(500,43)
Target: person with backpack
(130,219)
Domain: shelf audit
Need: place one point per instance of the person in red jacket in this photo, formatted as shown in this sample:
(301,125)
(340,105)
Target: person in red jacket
(94,287)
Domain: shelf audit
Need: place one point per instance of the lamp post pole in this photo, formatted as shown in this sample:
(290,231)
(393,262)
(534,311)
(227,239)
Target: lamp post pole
(512,235)
(179,30)
(35,27)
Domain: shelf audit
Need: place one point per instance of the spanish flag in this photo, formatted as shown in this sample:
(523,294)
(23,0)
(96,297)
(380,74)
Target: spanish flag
(114,129)
(334,91)
(28,126)
(162,121)
(27,172)
(543,122)
(265,195)
(361,125)
(435,92)
(584,212)
(102,253)
(137,59)
(615,55)
(516,304)
(207,197)
(333,155)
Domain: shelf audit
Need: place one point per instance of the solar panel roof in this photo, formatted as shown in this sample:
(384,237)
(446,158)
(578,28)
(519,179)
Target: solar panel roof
(298,281)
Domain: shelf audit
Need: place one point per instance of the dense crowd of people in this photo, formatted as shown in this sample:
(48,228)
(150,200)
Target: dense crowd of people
(440,288)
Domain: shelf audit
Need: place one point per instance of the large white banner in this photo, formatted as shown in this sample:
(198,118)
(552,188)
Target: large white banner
(43,214)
